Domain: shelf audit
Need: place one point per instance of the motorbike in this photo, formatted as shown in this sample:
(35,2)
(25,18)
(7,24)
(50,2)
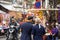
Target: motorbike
(11,33)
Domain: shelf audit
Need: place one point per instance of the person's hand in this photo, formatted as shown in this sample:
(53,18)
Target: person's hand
(53,34)
(32,37)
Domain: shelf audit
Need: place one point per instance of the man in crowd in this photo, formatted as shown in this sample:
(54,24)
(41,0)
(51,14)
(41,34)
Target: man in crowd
(14,23)
(26,29)
(38,30)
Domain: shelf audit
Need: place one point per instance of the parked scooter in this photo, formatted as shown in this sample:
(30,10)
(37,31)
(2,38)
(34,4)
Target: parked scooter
(11,33)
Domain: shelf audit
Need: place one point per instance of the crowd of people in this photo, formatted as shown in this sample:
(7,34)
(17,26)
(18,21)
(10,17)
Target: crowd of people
(32,29)
(37,30)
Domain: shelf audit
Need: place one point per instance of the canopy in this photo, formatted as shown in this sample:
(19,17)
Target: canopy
(2,12)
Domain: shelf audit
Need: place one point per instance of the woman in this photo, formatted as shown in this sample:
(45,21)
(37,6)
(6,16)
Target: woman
(49,36)
(54,33)
(38,30)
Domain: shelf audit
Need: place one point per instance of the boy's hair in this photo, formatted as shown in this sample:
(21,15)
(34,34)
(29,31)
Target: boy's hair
(30,17)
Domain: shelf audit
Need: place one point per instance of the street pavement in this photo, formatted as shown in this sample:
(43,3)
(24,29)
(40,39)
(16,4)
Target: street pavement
(4,38)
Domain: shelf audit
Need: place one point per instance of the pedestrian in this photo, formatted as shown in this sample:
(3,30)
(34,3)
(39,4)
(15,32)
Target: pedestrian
(21,21)
(54,33)
(49,33)
(14,23)
(26,29)
(38,30)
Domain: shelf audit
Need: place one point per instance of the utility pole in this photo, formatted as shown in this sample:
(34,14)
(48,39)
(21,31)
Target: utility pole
(41,4)
(54,5)
(47,3)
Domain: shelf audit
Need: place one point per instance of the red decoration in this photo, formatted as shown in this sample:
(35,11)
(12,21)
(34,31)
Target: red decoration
(37,0)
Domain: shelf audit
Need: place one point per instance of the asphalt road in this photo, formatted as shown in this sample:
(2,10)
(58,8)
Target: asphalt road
(4,38)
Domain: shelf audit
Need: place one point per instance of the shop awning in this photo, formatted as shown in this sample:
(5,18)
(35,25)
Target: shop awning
(11,7)
(3,9)
(8,7)
(2,12)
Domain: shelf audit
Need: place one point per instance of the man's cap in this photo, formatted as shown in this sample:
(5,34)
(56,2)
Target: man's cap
(30,17)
